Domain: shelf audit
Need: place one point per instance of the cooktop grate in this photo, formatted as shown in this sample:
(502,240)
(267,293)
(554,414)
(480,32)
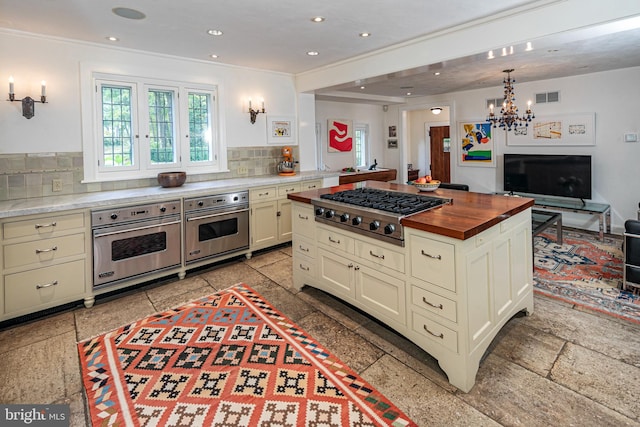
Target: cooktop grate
(388,201)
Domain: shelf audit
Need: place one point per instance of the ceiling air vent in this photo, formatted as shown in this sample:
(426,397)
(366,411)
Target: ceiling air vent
(546,97)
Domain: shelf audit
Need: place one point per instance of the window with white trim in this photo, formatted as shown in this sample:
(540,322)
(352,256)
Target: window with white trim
(144,126)
(361,146)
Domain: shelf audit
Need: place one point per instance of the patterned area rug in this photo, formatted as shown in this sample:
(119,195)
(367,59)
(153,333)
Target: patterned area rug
(584,271)
(229,359)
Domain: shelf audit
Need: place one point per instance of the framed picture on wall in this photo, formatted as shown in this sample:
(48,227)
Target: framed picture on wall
(281,130)
(340,134)
(476,144)
(558,130)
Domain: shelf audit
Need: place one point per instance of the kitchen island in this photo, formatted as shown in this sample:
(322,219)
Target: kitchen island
(459,273)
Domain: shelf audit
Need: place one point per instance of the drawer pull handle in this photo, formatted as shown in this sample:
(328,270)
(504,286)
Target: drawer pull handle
(39,251)
(46,285)
(311,186)
(263,194)
(431,256)
(440,335)
(374,255)
(304,249)
(303,217)
(438,306)
(52,224)
(350,265)
(302,267)
(333,241)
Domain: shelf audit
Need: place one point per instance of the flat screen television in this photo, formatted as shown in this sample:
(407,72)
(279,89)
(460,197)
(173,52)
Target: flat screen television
(548,174)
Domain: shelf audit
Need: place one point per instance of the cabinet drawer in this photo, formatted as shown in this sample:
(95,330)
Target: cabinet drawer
(43,286)
(304,265)
(43,250)
(310,185)
(42,226)
(283,190)
(380,255)
(303,221)
(435,332)
(335,240)
(433,303)
(262,193)
(433,262)
(305,247)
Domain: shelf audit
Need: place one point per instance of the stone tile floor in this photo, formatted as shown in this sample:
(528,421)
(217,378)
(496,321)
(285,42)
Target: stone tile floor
(559,367)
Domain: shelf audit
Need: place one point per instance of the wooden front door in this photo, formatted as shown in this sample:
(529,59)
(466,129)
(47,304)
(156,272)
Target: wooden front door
(440,159)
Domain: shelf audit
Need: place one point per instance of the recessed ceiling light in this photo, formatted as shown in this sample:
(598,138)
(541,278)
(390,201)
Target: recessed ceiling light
(214,56)
(125,12)
(362,87)
(365,34)
(312,53)
(214,32)
(317,19)
(112,39)
(408,93)
(437,73)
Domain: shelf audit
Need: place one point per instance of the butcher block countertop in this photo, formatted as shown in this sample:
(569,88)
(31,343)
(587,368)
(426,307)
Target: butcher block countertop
(468,214)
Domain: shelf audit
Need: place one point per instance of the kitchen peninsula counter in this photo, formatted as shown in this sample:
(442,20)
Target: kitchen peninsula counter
(469,213)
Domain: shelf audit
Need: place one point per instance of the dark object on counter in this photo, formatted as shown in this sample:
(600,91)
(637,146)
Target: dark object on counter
(374,165)
(451,186)
(377,175)
(172,179)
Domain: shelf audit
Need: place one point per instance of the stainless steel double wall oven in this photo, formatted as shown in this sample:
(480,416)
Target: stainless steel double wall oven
(130,242)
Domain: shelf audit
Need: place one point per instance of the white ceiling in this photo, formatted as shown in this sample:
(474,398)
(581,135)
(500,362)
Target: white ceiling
(276,35)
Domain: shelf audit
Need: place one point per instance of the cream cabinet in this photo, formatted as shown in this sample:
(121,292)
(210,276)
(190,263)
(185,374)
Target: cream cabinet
(271,214)
(45,262)
(450,297)
(365,272)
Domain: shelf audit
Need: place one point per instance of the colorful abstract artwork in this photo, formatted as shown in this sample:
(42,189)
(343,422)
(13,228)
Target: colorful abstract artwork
(476,144)
(340,135)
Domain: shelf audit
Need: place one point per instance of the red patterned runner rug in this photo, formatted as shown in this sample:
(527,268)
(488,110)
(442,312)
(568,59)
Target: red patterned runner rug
(229,359)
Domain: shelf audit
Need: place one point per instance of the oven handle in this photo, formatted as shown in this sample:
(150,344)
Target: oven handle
(216,214)
(129,230)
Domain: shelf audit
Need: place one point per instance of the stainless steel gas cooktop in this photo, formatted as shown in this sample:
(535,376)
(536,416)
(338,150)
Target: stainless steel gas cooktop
(373,212)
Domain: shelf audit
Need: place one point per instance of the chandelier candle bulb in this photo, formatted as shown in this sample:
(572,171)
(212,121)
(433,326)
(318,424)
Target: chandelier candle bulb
(44,88)
(10,85)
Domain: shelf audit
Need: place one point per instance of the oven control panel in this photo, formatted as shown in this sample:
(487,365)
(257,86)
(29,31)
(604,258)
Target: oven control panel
(134,213)
(216,201)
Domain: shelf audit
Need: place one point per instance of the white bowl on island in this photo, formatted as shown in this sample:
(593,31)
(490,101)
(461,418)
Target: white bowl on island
(427,186)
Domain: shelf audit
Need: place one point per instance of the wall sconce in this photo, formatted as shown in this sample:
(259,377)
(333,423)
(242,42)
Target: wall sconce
(28,103)
(254,113)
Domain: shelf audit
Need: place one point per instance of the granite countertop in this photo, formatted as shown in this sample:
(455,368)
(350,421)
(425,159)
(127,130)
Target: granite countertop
(468,214)
(37,205)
